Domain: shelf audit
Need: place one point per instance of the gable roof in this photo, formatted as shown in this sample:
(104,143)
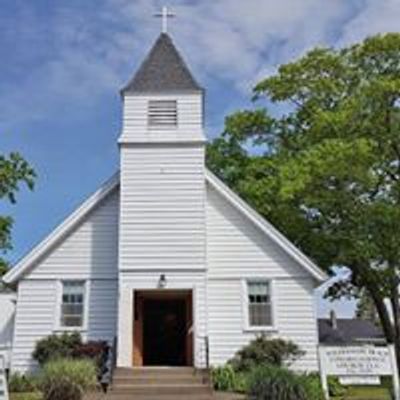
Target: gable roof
(163,70)
(348,331)
(61,231)
(77,216)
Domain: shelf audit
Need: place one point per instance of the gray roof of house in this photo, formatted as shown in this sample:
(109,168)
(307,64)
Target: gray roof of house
(349,331)
(163,70)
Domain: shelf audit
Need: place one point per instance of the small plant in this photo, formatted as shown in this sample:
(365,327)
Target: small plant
(223,378)
(56,346)
(336,389)
(20,383)
(313,386)
(66,379)
(269,382)
(265,351)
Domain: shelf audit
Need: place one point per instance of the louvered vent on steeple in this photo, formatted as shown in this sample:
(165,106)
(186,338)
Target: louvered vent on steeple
(162,113)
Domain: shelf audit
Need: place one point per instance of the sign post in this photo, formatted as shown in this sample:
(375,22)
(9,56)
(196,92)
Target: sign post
(358,363)
(395,369)
(3,379)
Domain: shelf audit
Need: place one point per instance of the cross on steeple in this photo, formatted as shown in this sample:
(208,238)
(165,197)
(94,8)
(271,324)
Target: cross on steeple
(164,15)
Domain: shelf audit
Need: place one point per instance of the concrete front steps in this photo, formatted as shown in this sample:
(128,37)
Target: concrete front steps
(160,383)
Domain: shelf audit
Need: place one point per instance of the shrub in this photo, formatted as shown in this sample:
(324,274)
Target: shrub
(336,389)
(66,379)
(223,378)
(269,382)
(313,386)
(265,351)
(56,346)
(93,350)
(19,383)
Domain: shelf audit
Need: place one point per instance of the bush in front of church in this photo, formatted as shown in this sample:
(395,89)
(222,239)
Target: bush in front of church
(69,345)
(269,382)
(67,379)
(263,350)
(56,346)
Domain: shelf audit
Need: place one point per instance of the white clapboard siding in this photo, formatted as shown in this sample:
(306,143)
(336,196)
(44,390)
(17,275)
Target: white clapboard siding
(89,251)
(236,247)
(294,319)
(135,280)
(189,118)
(237,250)
(162,207)
(37,313)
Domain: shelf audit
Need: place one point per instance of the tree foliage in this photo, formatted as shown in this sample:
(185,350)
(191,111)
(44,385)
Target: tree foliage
(326,169)
(14,172)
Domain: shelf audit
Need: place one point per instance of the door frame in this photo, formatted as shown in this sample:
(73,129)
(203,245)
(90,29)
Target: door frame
(139,295)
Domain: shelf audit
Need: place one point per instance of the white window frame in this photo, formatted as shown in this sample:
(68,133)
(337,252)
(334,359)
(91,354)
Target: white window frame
(245,303)
(57,326)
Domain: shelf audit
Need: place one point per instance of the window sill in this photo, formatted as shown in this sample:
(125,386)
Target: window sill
(260,329)
(70,329)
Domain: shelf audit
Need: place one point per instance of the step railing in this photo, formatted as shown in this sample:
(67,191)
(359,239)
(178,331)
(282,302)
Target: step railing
(109,361)
(204,357)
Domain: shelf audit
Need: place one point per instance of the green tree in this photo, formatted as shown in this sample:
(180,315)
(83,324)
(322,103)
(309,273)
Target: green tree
(326,169)
(366,308)
(14,171)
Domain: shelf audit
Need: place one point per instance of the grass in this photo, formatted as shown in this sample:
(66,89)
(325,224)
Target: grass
(25,396)
(366,393)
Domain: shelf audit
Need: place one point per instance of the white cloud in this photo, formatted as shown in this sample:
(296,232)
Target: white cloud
(378,16)
(85,54)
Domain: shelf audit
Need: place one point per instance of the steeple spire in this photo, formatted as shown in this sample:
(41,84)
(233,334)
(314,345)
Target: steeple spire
(163,71)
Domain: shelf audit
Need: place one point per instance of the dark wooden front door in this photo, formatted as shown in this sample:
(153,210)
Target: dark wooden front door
(163,328)
(164,332)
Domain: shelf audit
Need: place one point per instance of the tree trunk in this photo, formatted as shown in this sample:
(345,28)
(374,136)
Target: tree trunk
(384,317)
(394,301)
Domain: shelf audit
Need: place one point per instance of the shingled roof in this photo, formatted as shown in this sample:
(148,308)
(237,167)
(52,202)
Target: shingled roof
(348,331)
(163,71)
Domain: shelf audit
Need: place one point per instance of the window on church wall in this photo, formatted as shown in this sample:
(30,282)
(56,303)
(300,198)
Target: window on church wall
(72,304)
(162,113)
(259,304)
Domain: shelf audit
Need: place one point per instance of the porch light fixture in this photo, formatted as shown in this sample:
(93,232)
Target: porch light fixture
(162,282)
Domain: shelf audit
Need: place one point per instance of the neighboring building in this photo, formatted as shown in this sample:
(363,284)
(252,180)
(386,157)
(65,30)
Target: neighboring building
(345,331)
(164,256)
(7,312)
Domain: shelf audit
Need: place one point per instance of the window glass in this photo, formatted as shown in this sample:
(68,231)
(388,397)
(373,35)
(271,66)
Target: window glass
(259,303)
(72,304)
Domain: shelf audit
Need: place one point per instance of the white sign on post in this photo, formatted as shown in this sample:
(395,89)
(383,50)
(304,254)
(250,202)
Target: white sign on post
(362,362)
(3,379)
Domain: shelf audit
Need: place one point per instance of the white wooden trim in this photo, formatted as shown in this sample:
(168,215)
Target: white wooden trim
(61,231)
(57,323)
(266,227)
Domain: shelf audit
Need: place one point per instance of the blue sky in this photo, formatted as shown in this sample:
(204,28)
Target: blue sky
(63,63)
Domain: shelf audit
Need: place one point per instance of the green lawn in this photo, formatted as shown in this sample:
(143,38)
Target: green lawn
(25,396)
(366,393)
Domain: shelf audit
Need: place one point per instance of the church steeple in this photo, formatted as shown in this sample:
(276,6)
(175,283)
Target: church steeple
(162,180)
(163,71)
(163,103)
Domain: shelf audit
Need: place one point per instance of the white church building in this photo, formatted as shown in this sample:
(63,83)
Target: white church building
(164,258)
